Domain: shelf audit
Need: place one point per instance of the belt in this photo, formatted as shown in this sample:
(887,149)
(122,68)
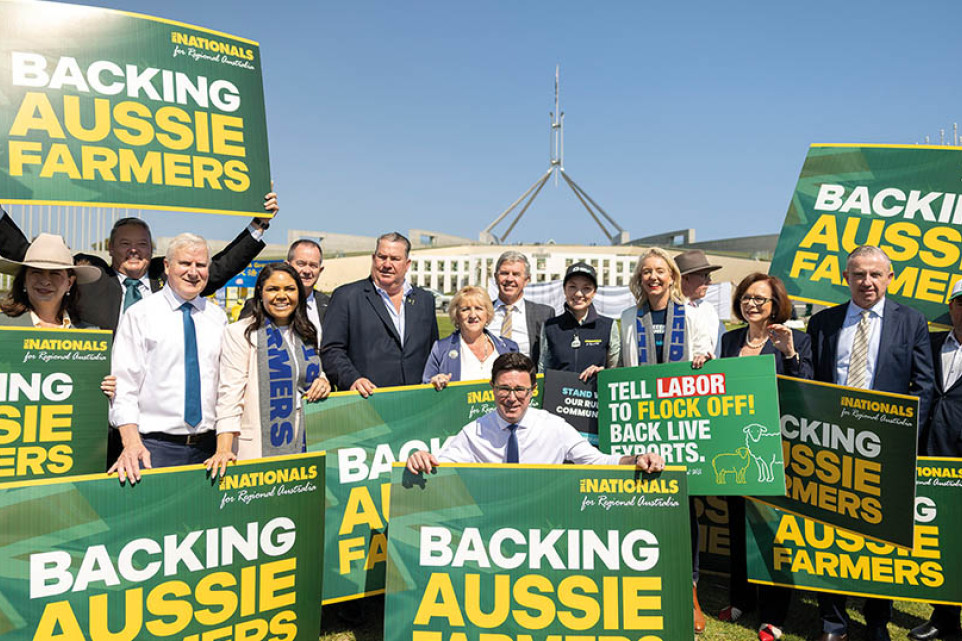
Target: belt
(182,439)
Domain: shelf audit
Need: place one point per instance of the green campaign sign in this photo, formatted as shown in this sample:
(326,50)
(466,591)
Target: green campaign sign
(498,552)
(121,109)
(714,537)
(837,442)
(902,198)
(721,421)
(53,416)
(176,556)
(785,549)
(363,438)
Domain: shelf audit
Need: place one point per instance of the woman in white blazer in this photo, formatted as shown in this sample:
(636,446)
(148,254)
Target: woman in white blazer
(268,362)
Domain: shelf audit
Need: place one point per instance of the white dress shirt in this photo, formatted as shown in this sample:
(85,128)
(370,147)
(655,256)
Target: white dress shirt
(543,438)
(397,317)
(951,361)
(847,336)
(709,317)
(312,314)
(519,324)
(148,361)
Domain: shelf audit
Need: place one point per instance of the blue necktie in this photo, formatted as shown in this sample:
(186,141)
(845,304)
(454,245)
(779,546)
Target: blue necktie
(132,295)
(192,409)
(511,455)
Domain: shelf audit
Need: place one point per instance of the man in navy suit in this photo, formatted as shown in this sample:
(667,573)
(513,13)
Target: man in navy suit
(942,436)
(846,341)
(378,332)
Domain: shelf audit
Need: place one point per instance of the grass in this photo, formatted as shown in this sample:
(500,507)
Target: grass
(445,326)
(802,624)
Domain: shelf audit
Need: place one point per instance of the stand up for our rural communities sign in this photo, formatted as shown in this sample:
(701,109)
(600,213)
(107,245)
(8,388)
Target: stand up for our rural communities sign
(904,199)
(120,109)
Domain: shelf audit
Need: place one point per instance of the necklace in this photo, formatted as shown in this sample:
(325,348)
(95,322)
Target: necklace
(485,346)
(755,345)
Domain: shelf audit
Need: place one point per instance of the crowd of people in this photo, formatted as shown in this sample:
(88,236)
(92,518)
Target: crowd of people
(187,387)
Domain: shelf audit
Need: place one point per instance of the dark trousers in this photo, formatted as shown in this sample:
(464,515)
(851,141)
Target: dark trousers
(831,607)
(945,617)
(695,539)
(773,601)
(168,454)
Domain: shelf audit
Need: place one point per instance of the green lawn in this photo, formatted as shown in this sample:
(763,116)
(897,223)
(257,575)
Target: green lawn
(445,326)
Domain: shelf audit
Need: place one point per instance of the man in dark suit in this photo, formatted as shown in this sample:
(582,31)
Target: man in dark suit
(942,436)
(378,332)
(514,317)
(846,341)
(307,259)
(133,273)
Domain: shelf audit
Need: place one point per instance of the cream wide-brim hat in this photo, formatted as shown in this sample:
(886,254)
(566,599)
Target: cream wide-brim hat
(49,251)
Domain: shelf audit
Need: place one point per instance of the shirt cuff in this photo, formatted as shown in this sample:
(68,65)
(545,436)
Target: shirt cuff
(256,232)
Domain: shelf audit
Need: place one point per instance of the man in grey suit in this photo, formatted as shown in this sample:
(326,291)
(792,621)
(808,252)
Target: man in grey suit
(516,318)
(875,343)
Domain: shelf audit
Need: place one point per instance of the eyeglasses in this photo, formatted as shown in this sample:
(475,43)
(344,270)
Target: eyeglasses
(504,391)
(758,301)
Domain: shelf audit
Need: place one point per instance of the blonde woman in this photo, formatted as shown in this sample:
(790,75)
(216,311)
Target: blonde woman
(469,352)
(659,328)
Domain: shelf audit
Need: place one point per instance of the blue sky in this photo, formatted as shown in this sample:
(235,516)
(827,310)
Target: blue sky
(434,115)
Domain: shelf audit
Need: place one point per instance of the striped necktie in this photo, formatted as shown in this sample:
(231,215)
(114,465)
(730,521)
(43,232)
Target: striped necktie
(858,363)
(506,323)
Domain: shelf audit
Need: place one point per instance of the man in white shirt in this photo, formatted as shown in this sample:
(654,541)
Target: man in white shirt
(517,433)
(307,259)
(514,317)
(695,279)
(165,357)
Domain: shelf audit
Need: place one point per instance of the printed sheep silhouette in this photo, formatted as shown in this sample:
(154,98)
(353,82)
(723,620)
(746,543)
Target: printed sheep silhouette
(736,463)
(754,434)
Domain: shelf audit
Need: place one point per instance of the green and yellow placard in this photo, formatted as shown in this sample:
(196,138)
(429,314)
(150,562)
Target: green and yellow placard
(838,440)
(120,109)
(720,421)
(53,416)
(902,198)
(785,549)
(175,556)
(538,551)
(363,438)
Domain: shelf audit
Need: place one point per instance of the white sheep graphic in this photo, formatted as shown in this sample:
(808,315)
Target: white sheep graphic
(754,434)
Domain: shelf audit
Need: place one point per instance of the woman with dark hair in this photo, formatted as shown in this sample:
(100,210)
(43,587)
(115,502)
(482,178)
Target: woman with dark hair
(268,360)
(761,301)
(579,340)
(44,291)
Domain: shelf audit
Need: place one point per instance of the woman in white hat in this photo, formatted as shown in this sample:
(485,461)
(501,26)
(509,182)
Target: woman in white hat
(44,291)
